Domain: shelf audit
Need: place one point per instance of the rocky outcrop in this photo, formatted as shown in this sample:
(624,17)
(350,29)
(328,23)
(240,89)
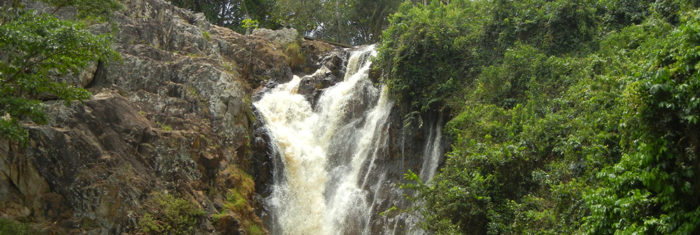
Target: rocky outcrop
(283,36)
(331,71)
(171,117)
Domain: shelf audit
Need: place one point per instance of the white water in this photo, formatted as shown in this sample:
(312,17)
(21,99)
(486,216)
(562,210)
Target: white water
(328,153)
(432,151)
(323,151)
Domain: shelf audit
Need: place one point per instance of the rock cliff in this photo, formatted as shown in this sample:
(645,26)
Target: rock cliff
(166,142)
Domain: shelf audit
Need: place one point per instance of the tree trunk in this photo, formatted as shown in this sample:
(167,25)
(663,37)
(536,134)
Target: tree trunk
(337,18)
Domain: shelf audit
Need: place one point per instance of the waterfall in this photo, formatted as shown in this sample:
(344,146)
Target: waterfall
(432,151)
(326,179)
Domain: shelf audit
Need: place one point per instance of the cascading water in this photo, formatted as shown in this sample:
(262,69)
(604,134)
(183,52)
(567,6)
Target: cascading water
(432,151)
(328,152)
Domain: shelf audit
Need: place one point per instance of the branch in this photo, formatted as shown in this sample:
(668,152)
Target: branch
(23,68)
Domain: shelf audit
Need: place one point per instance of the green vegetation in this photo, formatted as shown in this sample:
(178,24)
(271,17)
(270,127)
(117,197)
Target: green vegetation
(165,127)
(254,229)
(249,24)
(237,198)
(206,35)
(235,201)
(238,201)
(169,215)
(568,116)
(39,49)
(294,56)
(346,21)
(234,14)
(9,227)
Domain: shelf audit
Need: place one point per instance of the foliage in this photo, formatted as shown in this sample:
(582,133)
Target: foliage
(572,117)
(237,198)
(235,201)
(302,15)
(9,227)
(254,229)
(654,188)
(233,13)
(38,50)
(423,53)
(368,18)
(98,9)
(206,35)
(346,21)
(249,24)
(556,27)
(429,52)
(170,215)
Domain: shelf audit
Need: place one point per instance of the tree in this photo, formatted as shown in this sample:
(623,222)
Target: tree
(346,21)
(572,117)
(303,15)
(655,186)
(424,52)
(369,18)
(232,13)
(38,49)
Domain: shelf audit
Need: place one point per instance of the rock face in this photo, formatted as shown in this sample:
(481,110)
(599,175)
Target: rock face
(172,117)
(283,36)
(331,71)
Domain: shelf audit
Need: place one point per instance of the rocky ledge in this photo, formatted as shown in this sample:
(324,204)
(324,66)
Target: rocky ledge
(167,141)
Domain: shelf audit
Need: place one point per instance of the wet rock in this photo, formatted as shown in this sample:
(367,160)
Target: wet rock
(262,158)
(314,52)
(331,71)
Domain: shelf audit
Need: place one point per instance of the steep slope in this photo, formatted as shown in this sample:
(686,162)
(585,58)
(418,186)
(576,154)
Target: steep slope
(161,144)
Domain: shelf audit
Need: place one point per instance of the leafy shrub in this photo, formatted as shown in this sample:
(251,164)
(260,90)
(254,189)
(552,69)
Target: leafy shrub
(559,135)
(654,187)
(423,54)
(37,49)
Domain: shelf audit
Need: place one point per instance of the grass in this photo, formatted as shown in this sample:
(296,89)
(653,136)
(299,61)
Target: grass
(206,35)
(10,227)
(165,127)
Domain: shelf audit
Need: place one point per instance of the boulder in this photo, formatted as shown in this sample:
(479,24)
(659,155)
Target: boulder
(331,71)
(284,36)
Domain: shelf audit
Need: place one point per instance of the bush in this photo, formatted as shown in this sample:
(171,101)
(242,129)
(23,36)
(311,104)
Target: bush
(38,48)
(423,56)
(556,135)
(654,187)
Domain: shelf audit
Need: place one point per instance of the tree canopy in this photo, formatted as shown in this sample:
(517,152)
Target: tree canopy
(38,49)
(567,116)
(346,21)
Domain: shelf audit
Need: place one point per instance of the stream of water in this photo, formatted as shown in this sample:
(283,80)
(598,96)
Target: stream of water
(328,152)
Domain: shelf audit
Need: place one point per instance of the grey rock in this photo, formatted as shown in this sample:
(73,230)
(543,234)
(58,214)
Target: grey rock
(331,71)
(173,115)
(282,36)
